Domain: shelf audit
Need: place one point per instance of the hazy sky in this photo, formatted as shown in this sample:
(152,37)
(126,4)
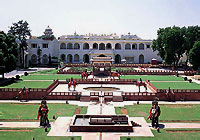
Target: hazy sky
(141,17)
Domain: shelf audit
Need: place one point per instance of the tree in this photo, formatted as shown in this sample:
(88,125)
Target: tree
(39,52)
(169,44)
(21,31)
(8,53)
(194,56)
(50,61)
(192,35)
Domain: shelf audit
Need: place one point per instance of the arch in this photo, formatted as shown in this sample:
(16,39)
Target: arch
(141,59)
(117,46)
(86,58)
(95,46)
(45,59)
(62,46)
(101,55)
(141,46)
(69,46)
(117,59)
(102,46)
(127,46)
(76,58)
(34,59)
(76,46)
(134,46)
(69,58)
(63,57)
(86,46)
(108,46)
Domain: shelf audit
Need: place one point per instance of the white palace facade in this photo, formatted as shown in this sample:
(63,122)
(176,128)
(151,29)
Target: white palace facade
(82,48)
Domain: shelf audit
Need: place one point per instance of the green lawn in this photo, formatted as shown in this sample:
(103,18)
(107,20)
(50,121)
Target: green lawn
(37,133)
(29,111)
(164,135)
(53,71)
(29,84)
(50,77)
(80,69)
(168,112)
(176,85)
(122,68)
(153,78)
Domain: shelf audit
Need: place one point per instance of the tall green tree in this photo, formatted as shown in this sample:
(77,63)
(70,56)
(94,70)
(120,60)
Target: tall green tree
(169,44)
(194,55)
(8,53)
(192,35)
(21,31)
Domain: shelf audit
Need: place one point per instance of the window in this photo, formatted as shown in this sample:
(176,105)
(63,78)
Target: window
(86,46)
(69,46)
(34,45)
(108,46)
(117,46)
(76,46)
(127,46)
(95,46)
(45,45)
(134,46)
(148,46)
(141,46)
(102,46)
(62,46)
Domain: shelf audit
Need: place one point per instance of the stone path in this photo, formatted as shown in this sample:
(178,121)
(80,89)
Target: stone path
(21,72)
(20,124)
(85,92)
(181,125)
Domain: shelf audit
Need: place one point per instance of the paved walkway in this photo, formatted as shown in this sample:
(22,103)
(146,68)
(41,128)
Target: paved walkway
(116,89)
(21,72)
(20,124)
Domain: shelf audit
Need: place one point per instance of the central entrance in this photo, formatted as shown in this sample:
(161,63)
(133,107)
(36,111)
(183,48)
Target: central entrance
(102,55)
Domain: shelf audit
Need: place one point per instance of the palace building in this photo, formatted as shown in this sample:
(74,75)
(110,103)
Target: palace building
(83,48)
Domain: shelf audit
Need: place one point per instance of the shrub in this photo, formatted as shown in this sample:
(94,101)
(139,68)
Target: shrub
(25,73)
(12,79)
(185,78)
(17,77)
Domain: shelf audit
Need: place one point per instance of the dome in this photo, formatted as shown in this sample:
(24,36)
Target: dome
(48,30)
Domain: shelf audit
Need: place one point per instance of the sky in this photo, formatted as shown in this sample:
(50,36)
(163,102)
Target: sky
(140,17)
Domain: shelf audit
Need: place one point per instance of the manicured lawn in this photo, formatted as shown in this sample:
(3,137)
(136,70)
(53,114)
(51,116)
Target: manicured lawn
(153,78)
(81,68)
(29,84)
(53,71)
(164,135)
(29,111)
(176,85)
(37,133)
(117,68)
(168,112)
(49,77)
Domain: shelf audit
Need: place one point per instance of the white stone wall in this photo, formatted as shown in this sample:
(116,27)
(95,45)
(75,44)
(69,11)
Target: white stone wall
(54,49)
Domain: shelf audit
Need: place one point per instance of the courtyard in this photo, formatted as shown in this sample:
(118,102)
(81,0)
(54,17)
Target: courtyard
(178,119)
